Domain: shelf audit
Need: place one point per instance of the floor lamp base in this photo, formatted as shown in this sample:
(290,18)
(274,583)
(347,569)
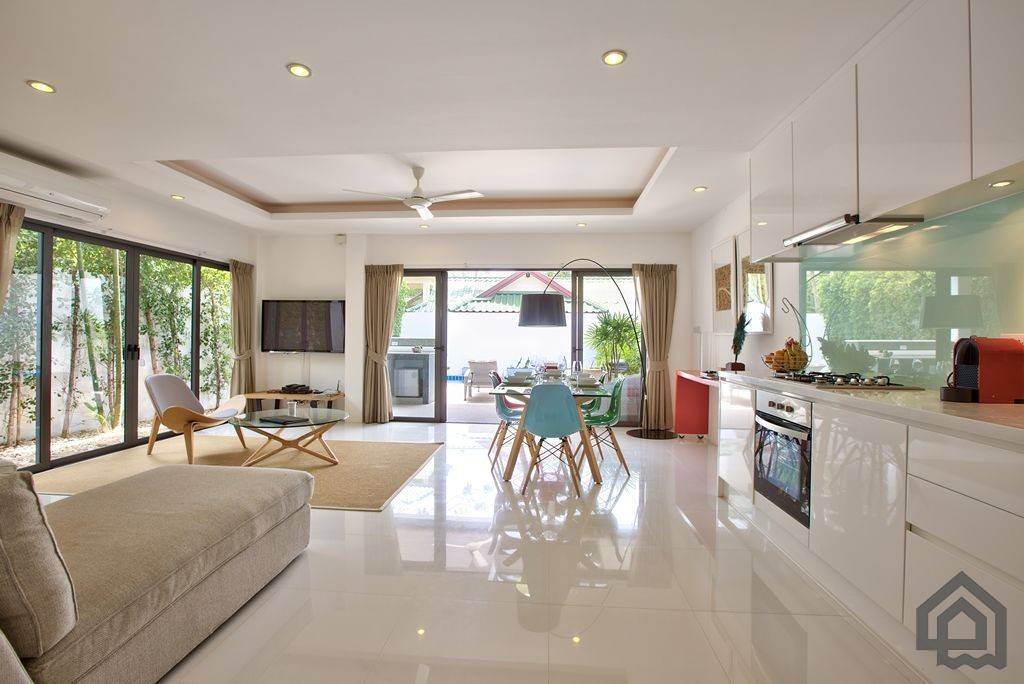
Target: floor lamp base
(651,433)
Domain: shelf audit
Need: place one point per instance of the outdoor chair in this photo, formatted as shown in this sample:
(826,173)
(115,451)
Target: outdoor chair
(478,377)
(177,408)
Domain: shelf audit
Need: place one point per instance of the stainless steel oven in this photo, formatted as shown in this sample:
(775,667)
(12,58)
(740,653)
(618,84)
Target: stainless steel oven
(782,453)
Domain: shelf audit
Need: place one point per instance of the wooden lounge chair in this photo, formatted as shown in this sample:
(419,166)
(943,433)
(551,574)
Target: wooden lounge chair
(180,410)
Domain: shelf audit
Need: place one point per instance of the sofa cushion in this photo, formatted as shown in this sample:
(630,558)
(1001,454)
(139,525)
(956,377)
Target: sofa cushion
(135,546)
(37,599)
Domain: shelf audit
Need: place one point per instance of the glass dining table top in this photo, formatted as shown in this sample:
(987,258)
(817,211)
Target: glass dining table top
(593,391)
(312,416)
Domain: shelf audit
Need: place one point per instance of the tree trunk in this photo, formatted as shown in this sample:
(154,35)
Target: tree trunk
(14,415)
(90,344)
(215,352)
(154,360)
(115,387)
(76,315)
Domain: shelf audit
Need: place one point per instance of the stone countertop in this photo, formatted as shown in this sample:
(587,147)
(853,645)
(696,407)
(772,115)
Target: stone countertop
(1001,422)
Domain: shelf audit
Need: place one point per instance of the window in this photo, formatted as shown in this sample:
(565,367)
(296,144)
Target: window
(216,354)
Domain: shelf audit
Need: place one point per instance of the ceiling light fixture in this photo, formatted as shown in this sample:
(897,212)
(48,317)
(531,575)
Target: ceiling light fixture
(614,57)
(1000,184)
(762,223)
(576,639)
(41,86)
(299,70)
(180,198)
(701,188)
(421,631)
(424,225)
(581,225)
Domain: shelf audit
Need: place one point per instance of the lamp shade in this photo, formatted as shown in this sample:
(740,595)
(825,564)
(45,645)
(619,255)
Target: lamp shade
(543,310)
(951,311)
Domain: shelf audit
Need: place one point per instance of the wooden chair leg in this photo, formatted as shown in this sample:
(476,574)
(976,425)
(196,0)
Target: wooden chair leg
(573,471)
(495,437)
(188,441)
(534,461)
(241,437)
(153,432)
(499,441)
(618,450)
(597,440)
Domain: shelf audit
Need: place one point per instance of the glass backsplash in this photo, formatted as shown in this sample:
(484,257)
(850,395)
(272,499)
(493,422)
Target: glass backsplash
(894,305)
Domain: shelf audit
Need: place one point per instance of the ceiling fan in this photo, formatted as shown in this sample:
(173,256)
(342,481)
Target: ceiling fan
(418,201)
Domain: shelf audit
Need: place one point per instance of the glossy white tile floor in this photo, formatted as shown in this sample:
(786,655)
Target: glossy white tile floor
(645,579)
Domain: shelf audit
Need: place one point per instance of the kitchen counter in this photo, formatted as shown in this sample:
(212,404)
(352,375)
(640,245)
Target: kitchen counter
(1001,422)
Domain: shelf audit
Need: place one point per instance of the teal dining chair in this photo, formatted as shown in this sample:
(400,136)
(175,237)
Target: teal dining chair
(599,425)
(551,414)
(508,414)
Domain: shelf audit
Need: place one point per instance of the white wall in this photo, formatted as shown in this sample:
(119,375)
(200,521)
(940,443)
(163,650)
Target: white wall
(733,219)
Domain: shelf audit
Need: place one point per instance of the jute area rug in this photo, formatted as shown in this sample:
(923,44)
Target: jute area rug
(367,477)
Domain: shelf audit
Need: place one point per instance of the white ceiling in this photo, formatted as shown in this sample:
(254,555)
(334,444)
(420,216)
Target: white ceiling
(145,81)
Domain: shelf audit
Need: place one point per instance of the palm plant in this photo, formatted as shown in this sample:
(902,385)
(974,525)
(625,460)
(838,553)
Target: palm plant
(613,340)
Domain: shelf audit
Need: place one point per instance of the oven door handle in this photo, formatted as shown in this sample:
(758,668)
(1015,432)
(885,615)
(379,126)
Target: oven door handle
(788,432)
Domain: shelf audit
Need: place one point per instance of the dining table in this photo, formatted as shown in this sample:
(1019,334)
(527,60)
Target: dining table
(582,394)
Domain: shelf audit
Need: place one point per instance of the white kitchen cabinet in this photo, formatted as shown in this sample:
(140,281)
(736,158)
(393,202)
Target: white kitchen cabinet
(825,153)
(914,109)
(997,53)
(736,442)
(771,193)
(930,565)
(858,501)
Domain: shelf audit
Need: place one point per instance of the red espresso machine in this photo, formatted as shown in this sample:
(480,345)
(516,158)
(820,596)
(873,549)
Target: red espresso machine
(988,370)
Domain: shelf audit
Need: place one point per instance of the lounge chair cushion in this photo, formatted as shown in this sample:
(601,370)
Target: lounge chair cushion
(136,546)
(37,598)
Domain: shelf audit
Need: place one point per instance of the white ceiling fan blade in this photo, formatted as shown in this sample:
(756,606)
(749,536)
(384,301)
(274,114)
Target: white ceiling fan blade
(424,213)
(375,194)
(461,194)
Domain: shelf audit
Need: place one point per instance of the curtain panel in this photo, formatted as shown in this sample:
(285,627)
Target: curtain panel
(382,285)
(243,376)
(11,217)
(657,286)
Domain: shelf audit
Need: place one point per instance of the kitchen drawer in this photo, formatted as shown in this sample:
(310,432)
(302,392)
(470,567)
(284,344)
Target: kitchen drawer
(985,532)
(929,568)
(986,473)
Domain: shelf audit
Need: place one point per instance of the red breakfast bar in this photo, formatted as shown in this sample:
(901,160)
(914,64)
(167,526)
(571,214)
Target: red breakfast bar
(692,402)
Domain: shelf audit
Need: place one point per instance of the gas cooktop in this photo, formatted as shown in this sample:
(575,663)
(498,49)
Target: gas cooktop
(845,381)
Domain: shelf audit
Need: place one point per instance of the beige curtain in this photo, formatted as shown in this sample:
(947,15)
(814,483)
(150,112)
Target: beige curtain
(11,217)
(382,284)
(243,376)
(657,286)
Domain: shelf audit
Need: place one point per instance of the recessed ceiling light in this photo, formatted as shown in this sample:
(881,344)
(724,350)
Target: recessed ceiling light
(421,631)
(581,225)
(576,639)
(180,198)
(41,86)
(614,57)
(701,188)
(299,70)
(424,225)
(762,223)
(1000,184)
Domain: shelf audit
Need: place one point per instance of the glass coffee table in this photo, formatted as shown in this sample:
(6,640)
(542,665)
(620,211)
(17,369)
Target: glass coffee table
(316,421)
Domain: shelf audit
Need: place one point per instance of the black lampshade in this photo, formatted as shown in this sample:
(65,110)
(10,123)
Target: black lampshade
(546,310)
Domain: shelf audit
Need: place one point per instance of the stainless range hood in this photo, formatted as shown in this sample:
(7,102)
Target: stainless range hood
(847,229)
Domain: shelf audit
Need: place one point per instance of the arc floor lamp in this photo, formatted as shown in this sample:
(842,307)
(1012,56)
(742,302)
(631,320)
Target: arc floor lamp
(547,310)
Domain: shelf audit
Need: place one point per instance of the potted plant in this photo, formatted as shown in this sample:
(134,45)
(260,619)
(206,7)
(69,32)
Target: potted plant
(739,336)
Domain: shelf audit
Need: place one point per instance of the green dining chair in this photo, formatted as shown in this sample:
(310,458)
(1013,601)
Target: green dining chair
(599,426)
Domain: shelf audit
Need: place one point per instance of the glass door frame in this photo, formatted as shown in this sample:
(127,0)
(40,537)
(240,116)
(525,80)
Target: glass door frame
(440,345)
(130,344)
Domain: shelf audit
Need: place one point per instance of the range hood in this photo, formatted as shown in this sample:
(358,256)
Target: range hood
(848,230)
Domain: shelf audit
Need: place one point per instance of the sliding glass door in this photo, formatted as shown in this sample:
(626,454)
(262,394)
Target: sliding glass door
(416,359)
(86,320)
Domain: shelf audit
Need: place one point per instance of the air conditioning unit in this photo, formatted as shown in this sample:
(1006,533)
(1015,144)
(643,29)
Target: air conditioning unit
(49,194)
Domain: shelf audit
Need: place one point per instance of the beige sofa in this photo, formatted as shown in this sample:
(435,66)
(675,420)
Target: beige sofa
(158,561)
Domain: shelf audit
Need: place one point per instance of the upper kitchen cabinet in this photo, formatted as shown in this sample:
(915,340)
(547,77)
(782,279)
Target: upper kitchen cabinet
(825,153)
(914,97)
(771,193)
(997,53)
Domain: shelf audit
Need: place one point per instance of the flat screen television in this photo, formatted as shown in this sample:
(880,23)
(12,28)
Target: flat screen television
(291,325)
